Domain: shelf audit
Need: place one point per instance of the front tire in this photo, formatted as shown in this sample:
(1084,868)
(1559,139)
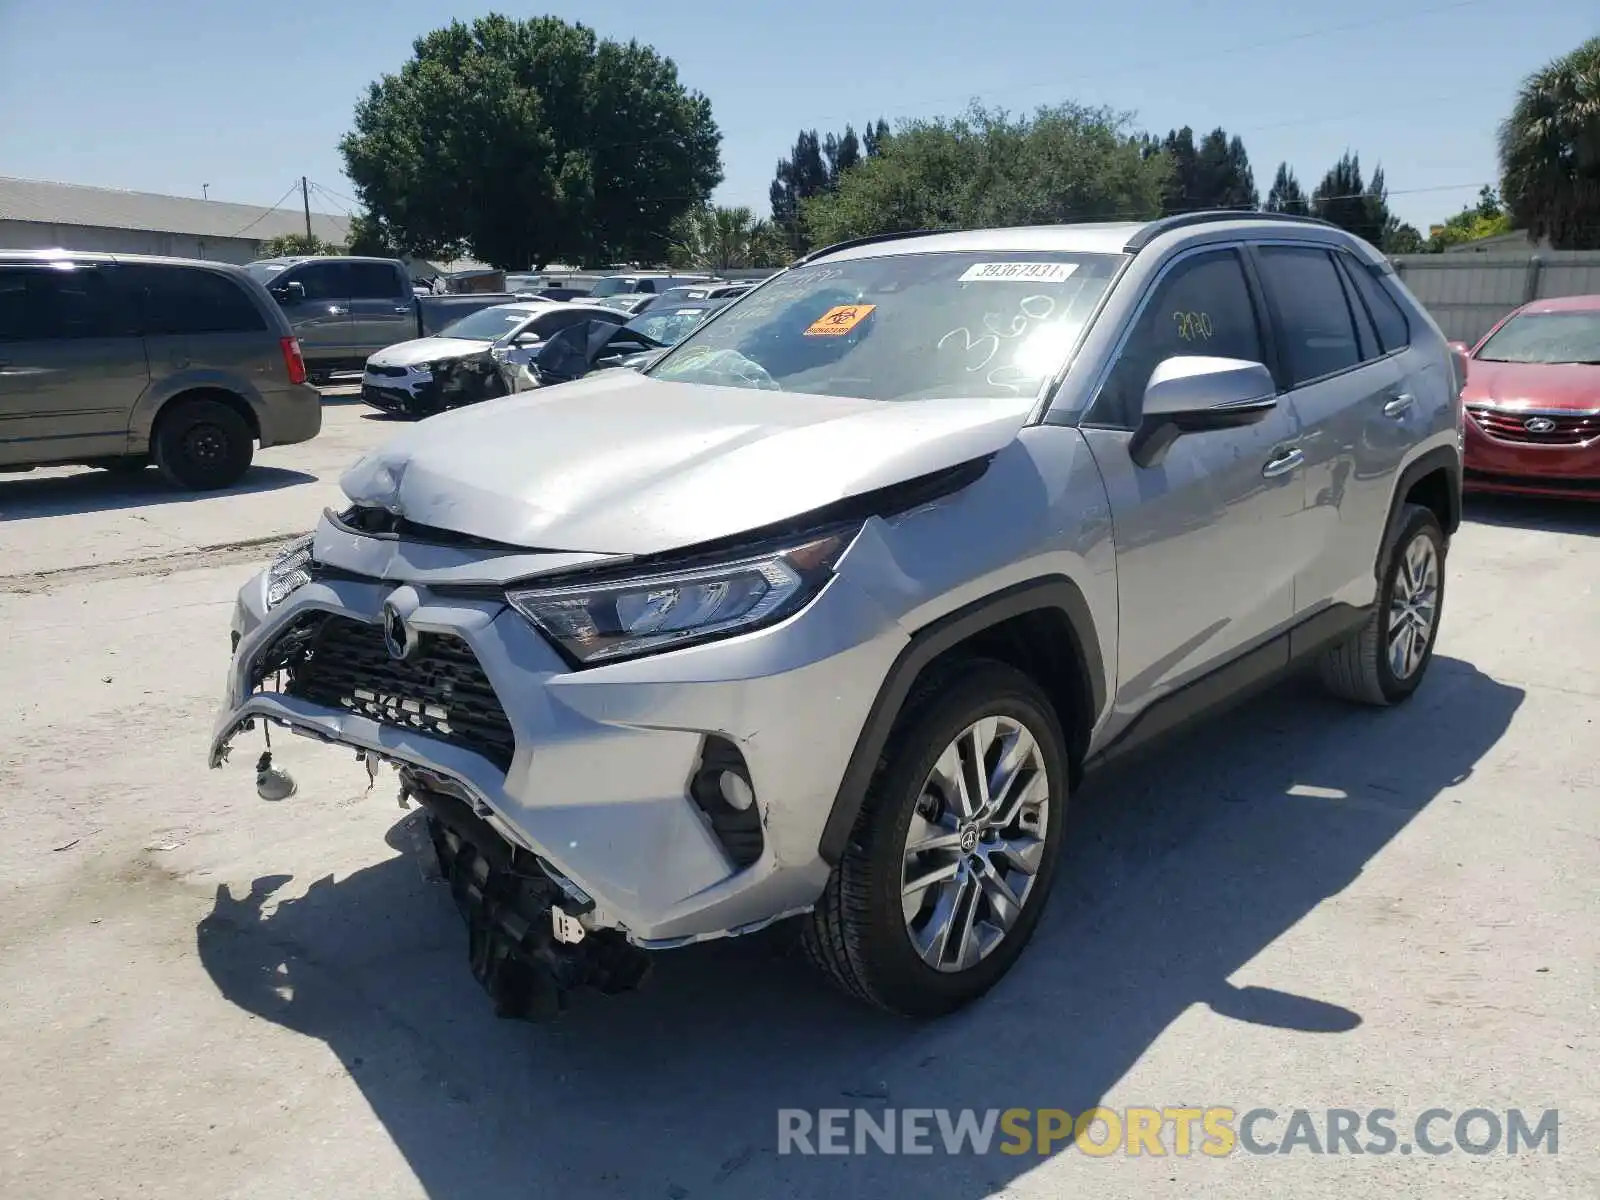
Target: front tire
(1383,662)
(950,863)
(203,445)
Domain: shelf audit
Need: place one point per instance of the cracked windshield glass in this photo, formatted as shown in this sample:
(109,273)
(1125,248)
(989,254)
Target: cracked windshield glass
(902,327)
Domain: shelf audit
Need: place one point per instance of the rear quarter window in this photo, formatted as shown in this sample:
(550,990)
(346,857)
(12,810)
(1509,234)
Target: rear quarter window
(179,300)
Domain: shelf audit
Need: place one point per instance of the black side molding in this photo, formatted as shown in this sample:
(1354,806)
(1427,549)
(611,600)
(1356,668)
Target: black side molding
(1236,681)
(926,645)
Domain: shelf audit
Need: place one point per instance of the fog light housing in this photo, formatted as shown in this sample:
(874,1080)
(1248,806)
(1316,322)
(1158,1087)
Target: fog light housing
(721,789)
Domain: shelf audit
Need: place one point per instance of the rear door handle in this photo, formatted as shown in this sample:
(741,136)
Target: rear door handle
(1283,462)
(337,310)
(402,309)
(1399,405)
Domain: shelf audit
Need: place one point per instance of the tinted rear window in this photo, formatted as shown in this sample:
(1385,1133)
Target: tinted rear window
(373,281)
(180,300)
(57,300)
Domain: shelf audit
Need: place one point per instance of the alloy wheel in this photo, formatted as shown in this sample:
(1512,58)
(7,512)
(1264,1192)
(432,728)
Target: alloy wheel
(1413,606)
(975,843)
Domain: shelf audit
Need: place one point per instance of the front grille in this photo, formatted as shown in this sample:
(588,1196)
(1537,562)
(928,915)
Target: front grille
(1533,482)
(391,372)
(440,690)
(388,399)
(1565,429)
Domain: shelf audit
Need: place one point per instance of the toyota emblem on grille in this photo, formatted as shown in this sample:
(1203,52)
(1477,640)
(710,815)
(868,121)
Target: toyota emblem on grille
(1539,425)
(396,634)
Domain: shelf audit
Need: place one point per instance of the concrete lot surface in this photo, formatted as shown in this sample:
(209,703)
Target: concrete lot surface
(1306,906)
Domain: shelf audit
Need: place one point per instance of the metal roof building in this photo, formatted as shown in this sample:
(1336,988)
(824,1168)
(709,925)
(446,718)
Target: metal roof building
(35,215)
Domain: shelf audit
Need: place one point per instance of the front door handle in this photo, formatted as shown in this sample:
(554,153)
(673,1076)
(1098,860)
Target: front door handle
(403,309)
(337,310)
(1283,462)
(1399,405)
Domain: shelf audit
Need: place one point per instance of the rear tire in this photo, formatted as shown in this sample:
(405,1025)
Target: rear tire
(875,933)
(203,444)
(1383,662)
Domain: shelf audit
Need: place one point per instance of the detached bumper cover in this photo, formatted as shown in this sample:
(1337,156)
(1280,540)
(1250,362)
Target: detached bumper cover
(594,778)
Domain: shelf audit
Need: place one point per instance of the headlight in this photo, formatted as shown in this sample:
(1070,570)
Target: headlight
(291,569)
(624,618)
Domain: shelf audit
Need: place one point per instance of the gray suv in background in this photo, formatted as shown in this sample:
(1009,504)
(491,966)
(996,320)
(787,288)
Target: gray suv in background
(115,361)
(827,611)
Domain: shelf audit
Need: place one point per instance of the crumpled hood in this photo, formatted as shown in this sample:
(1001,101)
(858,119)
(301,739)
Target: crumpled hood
(1533,385)
(620,463)
(425,350)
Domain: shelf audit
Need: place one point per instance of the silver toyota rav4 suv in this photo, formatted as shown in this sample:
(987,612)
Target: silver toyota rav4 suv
(825,613)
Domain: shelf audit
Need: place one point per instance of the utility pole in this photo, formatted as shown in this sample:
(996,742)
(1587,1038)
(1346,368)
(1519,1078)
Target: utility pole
(305,198)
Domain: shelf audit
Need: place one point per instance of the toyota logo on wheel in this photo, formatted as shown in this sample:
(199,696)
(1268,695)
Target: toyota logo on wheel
(1539,425)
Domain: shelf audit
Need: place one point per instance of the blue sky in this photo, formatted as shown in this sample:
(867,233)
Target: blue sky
(167,95)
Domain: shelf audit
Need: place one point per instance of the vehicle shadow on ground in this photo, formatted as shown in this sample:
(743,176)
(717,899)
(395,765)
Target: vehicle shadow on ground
(106,491)
(1180,869)
(1531,512)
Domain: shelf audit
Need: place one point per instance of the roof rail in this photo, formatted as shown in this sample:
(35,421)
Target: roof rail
(1146,234)
(870,239)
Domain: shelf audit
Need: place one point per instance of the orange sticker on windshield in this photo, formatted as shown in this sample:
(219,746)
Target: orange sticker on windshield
(839,320)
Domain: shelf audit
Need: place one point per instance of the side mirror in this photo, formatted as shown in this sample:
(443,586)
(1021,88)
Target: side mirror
(289,293)
(1193,394)
(1461,348)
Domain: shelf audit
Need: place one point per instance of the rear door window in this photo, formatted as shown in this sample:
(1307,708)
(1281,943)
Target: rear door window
(1316,333)
(373,281)
(182,300)
(1201,307)
(1394,331)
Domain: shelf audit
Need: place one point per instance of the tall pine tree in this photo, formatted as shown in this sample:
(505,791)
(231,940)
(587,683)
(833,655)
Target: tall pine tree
(800,176)
(1285,195)
(1353,205)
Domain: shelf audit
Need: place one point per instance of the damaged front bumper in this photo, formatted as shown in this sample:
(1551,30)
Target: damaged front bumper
(593,782)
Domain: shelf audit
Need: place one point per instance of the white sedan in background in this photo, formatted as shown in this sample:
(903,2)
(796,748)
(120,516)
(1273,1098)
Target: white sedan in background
(461,364)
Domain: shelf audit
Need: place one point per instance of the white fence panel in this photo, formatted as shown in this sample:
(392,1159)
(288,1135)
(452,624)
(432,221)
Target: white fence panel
(1467,293)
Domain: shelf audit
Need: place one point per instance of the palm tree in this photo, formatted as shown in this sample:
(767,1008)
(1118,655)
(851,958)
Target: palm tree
(721,239)
(1550,152)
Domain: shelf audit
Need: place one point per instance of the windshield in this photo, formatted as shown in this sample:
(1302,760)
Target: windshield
(671,326)
(1552,337)
(616,285)
(486,325)
(262,272)
(902,327)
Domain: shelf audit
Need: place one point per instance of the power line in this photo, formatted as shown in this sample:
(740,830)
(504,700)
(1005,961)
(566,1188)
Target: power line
(267,213)
(1186,59)
(333,195)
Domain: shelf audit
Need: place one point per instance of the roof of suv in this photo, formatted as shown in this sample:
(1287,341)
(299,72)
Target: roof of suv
(1107,237)
(101,256)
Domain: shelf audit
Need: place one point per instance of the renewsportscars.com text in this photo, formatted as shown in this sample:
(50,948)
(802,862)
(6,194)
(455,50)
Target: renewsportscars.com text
(1214,1132)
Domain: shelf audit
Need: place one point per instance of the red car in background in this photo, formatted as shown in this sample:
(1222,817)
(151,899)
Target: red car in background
(1533,402)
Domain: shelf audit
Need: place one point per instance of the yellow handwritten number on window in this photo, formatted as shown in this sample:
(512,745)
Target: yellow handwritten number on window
(1193,326)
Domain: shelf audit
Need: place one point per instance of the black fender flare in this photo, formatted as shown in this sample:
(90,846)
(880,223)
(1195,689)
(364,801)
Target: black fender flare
(1440,458)
(927,644)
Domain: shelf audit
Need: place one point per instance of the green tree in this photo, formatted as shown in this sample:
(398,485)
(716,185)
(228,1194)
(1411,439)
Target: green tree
(289,245)
(1484,219)
(1550,152)
(723,239)
(985,168)
(1214,174)
(874,137)
(1285,195)
(370,235)
(841,153)
(1403,239)
(521,142)
(799,177)
(1356,207)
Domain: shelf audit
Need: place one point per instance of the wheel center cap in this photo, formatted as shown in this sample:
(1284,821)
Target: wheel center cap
(969,838)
